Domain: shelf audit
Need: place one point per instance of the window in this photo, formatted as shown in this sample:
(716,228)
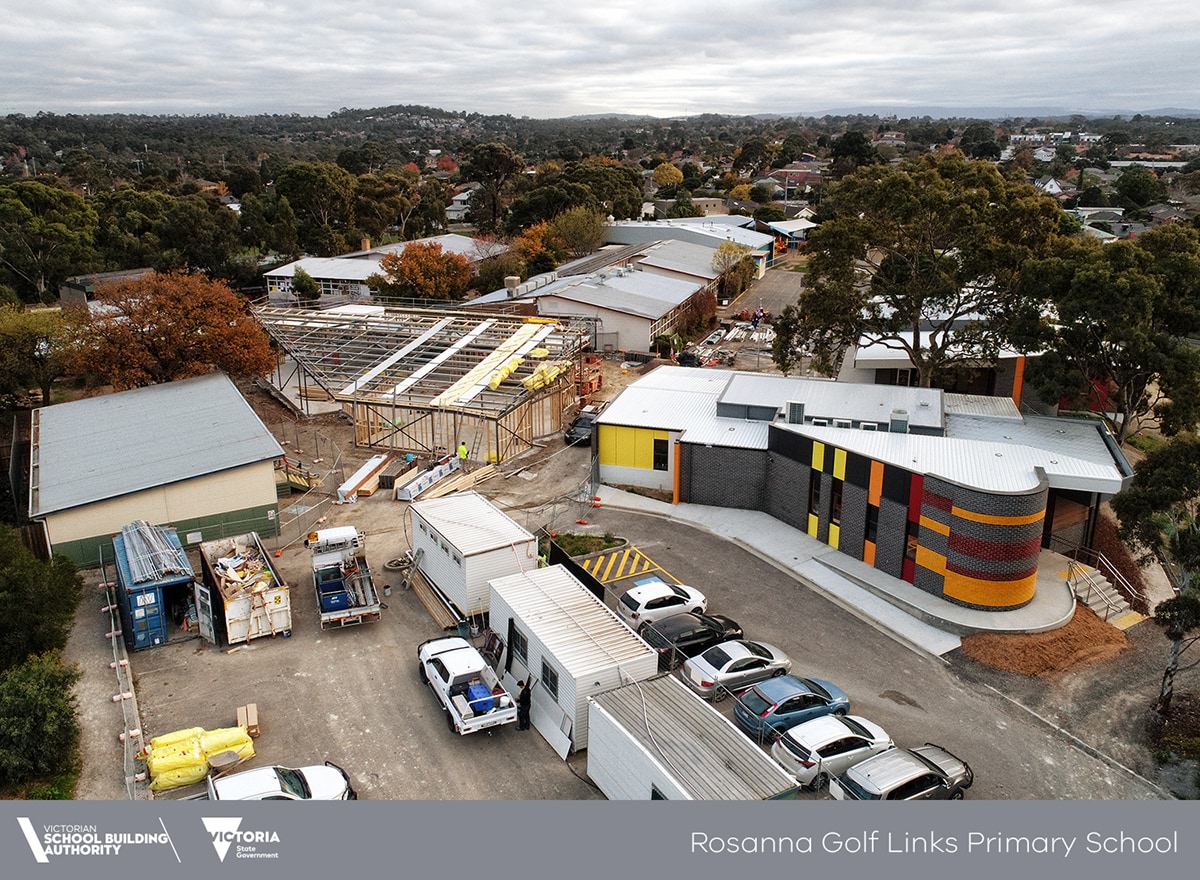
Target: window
(423,529)
(835,504)
(660,455)
(519,645)
(915,788)
(820,423)
(870,426)
(910,544)
(550,680)
(440,668)
(457,559)
(842,423)
(814,493)
(872,523)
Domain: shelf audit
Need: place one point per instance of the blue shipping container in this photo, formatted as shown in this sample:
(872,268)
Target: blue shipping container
(143,612)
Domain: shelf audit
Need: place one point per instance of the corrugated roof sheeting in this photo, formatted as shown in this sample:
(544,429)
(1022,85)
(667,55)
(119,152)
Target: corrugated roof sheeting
(682,256)
(709,757)
(1080,438)
(737,433)
(826,398)
(116,444)
(582,633)
(980,406)
(471,522)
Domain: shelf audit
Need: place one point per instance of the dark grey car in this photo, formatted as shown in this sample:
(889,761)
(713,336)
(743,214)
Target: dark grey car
(928,772)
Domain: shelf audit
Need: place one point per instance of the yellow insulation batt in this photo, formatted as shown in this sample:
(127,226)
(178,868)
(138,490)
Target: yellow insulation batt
(182,776)
(178,736)
(195,750)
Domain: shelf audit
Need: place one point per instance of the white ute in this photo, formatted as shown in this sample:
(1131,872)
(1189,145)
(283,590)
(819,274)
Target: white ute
(465,685)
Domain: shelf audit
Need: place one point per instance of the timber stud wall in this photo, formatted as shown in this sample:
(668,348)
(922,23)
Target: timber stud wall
(971,547)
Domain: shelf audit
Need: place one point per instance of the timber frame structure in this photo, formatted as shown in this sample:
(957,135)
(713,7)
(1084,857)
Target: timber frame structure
(421,380)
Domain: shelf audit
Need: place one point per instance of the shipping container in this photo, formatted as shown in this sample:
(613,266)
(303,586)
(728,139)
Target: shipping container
(243,594)
(154,599)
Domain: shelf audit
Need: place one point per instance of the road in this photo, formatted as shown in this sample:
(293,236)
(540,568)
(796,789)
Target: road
(916,698)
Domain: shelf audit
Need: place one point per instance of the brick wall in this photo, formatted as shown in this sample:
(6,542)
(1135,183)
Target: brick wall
(722,476)
(787,491)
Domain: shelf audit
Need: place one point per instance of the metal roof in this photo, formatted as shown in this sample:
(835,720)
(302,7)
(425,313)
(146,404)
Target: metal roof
(681,256)
(706,231)
(702,751)
(582,633)
(105,447)
(830,399)
(471,522)
(334,268)
(606,256)
(989,466)
(1086,439)
(636,293)
(979,405)
(871,353)
(789,227)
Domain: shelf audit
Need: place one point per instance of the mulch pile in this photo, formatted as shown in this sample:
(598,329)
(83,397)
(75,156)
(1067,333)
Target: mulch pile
(1084,641)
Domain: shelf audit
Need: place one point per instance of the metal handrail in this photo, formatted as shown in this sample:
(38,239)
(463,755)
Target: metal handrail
(1076,568)
(1104,565)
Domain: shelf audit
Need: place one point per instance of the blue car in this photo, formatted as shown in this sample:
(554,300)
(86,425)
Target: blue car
(773,706)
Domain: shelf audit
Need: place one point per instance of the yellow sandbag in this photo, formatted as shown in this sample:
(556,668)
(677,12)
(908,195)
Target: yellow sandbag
(182,776)
(213,741)
(165,760)
(178,736)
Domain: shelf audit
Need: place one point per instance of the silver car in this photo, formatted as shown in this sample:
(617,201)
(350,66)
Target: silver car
(926,773)
(818,750)
(733,666)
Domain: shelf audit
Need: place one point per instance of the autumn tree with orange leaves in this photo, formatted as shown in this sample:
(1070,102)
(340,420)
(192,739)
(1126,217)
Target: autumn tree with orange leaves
(422,271)
(163,327)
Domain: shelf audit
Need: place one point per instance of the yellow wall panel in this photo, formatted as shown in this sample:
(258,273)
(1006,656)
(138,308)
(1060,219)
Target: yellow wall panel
(991,594)
(835,533)
(839,464)
(608,444)
(935,526)
(989,519)
(818,461)
(629,447)
(813,524)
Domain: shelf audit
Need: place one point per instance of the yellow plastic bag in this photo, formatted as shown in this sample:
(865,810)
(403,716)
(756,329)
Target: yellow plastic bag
(177,778)
(223,739)
(177,737)
(173,758)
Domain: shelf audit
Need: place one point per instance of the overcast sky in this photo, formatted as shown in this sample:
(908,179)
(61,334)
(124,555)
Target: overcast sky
(568,57)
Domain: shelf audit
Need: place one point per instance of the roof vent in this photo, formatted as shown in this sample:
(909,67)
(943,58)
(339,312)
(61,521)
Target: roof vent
(795,412)
(899,423)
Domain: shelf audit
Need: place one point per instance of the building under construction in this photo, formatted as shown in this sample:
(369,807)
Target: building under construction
(422,380)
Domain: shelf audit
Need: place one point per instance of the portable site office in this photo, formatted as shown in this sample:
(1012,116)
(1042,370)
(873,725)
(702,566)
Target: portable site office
(466,541)
(570,643)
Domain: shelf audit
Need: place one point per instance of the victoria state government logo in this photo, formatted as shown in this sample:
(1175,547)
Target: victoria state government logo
(226,834)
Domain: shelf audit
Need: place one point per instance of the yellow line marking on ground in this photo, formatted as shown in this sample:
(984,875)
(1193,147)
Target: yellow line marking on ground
(621,567)
(611,560)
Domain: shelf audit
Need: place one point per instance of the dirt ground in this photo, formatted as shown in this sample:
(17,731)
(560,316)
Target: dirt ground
(1085,640)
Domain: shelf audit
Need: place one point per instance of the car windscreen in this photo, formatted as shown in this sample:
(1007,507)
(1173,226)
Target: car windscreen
(630,602)
(816,688)
(716,658)
(678,591)
(293,783)
(754,702)
(855,727)
(757,650)
(796,749)
(855,789)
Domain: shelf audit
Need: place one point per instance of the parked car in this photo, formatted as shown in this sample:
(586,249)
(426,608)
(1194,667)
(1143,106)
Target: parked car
(771,707)
(580,430)
(654,600)
(324,782)
(733,666)
(927,772)
(818,750)
(686,635)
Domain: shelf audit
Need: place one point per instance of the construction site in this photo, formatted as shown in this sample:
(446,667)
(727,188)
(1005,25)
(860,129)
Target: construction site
(424,381)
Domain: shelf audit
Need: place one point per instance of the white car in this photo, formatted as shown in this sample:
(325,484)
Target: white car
(651,601)
(327,782)
(733,666)
(818,750)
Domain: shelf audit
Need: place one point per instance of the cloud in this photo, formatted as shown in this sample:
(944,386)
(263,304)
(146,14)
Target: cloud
(554,58)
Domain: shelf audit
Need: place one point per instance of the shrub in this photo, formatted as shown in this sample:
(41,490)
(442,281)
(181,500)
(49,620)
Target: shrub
(37,601)
(38,728)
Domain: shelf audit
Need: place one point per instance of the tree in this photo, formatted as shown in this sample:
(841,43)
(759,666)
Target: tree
(322,196)
(538,248)
(493,166)
(770,214)
(1140,186)
(31,351)
(46,234)
(39,731)
(1119,342)
(579,231)
(163,327)
(547,202)
(198,232)
(978,141)
(784,351)
(1160,510)
(850,152)
(667,175)
(924,259)
(269,224)
(130,222)
(422,271)
(490,273)
(740,193)
(761,193)
(37,601)
(753,154)
(684,207)
(617,187)
(381,201)
(306,288)
(729,262)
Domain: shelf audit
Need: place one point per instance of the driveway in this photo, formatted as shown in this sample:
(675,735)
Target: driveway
(915,697)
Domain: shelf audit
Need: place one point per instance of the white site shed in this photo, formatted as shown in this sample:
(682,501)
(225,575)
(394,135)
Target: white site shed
(656,740)
(468,541)
(572,645)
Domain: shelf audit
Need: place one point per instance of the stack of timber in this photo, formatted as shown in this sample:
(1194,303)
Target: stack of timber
(459,482)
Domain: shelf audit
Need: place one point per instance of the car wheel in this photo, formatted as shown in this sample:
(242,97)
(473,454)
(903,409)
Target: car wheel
(450,722)
(777,673)
(958,795)
(421,673)
(839,711)
(820,782)
(719,693)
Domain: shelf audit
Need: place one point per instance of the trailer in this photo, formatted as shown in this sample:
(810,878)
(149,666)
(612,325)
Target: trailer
(243,595)
(345,587)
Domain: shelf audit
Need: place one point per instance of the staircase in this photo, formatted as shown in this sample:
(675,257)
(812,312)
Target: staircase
(1095,590)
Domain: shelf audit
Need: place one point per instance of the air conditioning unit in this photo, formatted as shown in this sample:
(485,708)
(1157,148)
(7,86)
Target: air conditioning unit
(899,423)
(795,412)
